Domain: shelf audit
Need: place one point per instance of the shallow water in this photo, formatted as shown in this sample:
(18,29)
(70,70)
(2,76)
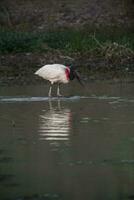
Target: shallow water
(76,147)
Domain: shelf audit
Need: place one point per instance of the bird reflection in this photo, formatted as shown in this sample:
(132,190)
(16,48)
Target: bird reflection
(55,124)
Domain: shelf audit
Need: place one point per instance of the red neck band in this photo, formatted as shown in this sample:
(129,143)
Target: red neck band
(67,72)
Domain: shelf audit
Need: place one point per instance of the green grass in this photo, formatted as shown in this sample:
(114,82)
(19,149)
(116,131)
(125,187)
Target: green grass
(68,41)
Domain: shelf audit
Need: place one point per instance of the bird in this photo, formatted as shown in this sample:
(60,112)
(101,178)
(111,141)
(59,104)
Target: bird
(58,73)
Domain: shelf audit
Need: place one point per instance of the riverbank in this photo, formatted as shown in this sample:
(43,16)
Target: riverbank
(18,69)
(96,55)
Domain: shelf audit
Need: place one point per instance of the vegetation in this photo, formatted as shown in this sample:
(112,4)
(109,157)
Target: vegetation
(68,41)
(91,52)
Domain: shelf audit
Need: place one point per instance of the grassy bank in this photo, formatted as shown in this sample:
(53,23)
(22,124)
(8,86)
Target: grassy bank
(69,41)
(101,52)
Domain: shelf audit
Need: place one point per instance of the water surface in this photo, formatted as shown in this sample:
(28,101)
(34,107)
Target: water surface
(80,146)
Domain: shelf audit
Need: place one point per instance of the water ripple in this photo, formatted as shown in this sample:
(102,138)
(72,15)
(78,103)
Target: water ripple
(19,99)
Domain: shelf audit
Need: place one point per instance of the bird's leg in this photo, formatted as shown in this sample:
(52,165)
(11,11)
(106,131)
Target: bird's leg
(59,104)
(50,105)
(58,90)
(50,90)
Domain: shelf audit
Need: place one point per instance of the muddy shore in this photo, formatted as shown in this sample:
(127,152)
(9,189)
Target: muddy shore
(19,68)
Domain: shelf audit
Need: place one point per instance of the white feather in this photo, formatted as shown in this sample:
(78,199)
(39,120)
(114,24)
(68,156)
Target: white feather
(53,73)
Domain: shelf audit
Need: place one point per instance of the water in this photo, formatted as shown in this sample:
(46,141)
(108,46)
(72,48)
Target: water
(77,147)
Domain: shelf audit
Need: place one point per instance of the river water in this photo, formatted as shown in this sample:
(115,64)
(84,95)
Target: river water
(78,147)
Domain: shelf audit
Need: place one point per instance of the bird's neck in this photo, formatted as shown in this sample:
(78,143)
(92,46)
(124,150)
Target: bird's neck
(67,72)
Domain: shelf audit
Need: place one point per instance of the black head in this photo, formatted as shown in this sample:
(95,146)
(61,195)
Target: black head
(74,74)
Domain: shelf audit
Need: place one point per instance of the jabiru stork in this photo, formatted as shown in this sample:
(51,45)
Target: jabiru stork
(58,73)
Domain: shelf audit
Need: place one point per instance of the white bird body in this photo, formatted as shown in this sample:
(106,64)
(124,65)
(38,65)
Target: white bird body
(57,73)
(53,73)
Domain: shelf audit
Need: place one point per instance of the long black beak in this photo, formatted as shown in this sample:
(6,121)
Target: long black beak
(78,78)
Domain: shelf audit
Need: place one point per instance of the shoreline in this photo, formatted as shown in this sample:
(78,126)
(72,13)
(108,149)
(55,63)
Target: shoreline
(18,69)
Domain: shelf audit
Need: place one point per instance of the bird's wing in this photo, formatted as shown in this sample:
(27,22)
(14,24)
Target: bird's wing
(51,71)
